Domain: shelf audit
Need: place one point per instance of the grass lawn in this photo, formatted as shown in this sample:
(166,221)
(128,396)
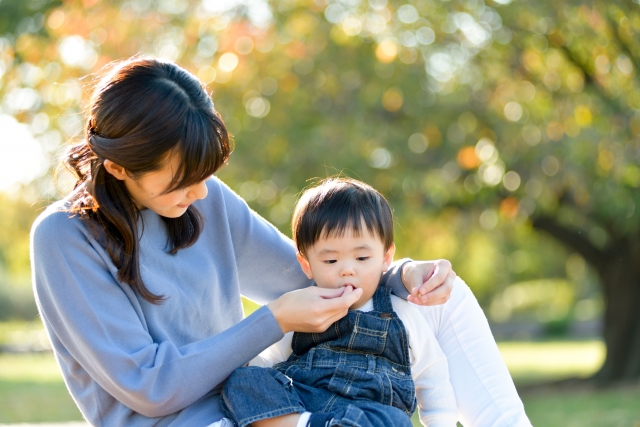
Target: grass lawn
(534,362)
(603,408)
(31,389)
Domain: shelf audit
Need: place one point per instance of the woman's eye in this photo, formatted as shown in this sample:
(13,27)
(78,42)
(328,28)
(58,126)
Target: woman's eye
(363,258)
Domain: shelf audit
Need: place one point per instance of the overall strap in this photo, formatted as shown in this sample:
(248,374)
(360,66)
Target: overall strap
(382,299)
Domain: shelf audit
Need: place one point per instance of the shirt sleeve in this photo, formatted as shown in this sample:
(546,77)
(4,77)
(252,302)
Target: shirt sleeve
(434,392)
(97,321)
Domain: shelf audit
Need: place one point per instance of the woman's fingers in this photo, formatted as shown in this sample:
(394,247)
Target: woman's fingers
(313,309)
(439,295)
(431,282)
(436,278)
(330,293)
(332,305)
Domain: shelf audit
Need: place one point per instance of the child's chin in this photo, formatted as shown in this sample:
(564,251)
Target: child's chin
(356,306)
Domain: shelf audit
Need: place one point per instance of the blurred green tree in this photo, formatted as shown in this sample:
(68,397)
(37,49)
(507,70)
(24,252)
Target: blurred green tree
(488,116)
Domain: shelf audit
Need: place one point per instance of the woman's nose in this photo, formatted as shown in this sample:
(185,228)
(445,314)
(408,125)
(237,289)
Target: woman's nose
(199,190)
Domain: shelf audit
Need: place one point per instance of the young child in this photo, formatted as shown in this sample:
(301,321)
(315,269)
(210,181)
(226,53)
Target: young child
(370,367)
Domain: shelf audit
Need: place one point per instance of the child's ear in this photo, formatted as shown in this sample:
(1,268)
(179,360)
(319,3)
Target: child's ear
(388,257)
(304,264)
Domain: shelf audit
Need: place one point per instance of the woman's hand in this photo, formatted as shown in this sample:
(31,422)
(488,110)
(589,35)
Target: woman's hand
(429,282)
(313,309)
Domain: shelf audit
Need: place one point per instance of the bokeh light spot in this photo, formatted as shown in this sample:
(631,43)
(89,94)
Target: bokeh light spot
(550,166)
(418,143)
(511,181)
(228,62)
(387,51)
(467,158)
(392,100)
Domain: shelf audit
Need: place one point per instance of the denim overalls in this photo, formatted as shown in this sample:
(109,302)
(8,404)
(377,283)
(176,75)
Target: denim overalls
(358,370)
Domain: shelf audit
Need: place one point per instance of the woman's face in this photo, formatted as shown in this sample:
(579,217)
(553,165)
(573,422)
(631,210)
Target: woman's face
(147,191)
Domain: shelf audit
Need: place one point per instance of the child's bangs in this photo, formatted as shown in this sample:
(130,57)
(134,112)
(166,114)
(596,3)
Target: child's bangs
(351,219)
(204,148)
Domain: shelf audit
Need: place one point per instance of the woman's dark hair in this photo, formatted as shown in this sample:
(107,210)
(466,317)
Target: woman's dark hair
(336,205)
(141,112)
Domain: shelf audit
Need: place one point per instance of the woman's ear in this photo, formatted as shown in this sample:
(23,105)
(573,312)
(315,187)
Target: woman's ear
(118,172)
(304,264)
(388,257)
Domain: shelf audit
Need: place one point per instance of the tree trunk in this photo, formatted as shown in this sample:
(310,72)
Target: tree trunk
(618,268)
(620,279)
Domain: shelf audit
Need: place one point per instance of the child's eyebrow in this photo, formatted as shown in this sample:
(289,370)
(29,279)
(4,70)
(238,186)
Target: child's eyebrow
(333,251)
(327,251)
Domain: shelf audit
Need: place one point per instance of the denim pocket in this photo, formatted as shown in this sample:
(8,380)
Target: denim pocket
(369,335)
(316,377)
(403,394)
(356,383)
(282,379)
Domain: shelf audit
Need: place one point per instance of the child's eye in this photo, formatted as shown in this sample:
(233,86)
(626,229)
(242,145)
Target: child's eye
(329,261)
(363,258)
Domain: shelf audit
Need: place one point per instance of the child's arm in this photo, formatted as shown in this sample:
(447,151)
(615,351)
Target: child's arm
(436,399)
(278,352)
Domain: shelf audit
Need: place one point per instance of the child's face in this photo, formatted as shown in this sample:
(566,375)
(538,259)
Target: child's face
(338,261)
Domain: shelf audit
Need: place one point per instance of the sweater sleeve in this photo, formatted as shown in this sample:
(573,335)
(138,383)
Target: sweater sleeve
(434,392)
(96,320)
(266,258)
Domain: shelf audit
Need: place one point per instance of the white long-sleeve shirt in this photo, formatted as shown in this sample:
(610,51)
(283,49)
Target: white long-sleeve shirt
(436,399)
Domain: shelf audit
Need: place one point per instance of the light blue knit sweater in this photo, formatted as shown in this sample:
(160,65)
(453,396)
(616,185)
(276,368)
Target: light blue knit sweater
(127,362)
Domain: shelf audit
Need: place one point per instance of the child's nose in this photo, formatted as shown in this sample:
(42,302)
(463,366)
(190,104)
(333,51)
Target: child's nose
(347,270)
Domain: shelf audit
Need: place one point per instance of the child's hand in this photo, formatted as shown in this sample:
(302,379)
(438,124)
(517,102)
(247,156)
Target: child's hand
(313,309)
(429,282)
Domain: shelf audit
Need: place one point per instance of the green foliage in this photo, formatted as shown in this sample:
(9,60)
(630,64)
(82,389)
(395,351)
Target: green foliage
(16,302)
(16,217)
(472,116)
(16,298)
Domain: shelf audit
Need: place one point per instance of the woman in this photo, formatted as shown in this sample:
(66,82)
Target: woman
(138,272)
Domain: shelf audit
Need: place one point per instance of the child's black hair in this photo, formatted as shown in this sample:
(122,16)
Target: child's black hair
(336,205)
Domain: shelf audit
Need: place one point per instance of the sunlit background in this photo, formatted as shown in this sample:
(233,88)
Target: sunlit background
(504,133)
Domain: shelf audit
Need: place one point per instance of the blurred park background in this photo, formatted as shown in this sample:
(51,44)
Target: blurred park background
(503,132)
